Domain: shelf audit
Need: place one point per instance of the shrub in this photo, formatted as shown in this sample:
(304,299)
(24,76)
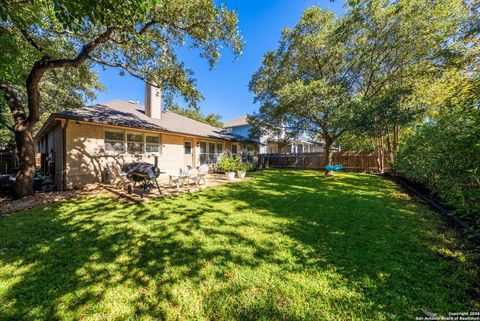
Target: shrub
(228,163)
(243,166)
(444,155)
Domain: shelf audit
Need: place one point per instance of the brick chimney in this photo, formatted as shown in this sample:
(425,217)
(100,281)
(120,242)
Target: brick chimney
(153,101)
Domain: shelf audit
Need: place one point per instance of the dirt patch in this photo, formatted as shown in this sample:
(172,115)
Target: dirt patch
(9,205)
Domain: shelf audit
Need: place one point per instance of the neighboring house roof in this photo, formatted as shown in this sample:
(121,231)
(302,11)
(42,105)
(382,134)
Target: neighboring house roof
(305,139)
(132,115)
(240,121)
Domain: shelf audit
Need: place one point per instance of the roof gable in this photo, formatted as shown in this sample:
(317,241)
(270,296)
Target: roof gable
(239,121)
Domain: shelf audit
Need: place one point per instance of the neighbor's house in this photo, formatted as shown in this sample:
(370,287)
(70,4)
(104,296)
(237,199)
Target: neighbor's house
(301,144)
(80,144)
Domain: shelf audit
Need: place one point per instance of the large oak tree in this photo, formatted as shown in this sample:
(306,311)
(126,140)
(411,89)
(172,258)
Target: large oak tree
(400,46)
(139,36)
(303,86)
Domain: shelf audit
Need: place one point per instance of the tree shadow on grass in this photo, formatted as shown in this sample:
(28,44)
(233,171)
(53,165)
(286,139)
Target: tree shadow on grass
(388,247)
(286,245)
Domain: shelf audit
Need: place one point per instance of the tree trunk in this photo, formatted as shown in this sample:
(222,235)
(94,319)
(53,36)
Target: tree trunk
(390,147)
(377,143)
(26,162)
(328,155)
(381,154)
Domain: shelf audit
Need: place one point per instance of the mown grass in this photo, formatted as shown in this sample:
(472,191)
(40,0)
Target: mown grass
(286,245)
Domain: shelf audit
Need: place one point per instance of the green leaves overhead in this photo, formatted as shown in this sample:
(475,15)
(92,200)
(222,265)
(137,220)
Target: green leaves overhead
(145,38)
(302,86)
(368,73)
(141,37)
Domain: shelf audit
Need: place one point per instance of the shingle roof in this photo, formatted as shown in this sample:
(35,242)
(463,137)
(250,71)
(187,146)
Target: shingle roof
(240,121)
(128,114)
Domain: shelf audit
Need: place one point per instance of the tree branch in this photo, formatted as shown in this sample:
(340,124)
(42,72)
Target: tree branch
(44,64)
(83,54)
(14,104)
(16,2)
(145,27)
(31,41)
(134,72)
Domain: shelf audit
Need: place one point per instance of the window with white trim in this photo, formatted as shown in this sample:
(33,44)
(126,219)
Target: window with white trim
(135,143)
(114,141)
(187,147)
(210,152)
(203,148)
(234,149)
(152,144)
(219,148)
(119,142)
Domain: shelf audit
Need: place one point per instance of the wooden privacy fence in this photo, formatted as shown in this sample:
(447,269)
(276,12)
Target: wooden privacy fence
(8,161)
(355,162)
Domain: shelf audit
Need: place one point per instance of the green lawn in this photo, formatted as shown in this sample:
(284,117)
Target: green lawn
(286,245)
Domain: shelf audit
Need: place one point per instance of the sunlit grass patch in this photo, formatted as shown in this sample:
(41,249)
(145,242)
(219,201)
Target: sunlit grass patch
(285,245)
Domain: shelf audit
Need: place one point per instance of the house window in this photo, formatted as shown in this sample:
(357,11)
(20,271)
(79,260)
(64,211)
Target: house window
(187,147)
(234,149)
(114,142)
(152,144)
(203,148)
(210,152)
(211,148)
(135,143)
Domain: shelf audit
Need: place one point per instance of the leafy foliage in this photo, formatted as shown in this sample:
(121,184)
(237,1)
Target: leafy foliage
(244,166)
(141,37)
(302,85)
(444,152)
(298,85)
(195,113)
(59,89)
(228,163)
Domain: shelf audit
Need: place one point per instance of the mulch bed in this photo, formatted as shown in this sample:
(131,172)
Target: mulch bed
(9,205)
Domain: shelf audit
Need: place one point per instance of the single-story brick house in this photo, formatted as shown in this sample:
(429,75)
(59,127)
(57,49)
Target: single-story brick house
(77,145)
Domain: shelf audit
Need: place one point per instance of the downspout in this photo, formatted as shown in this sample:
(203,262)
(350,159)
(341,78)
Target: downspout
(64,156)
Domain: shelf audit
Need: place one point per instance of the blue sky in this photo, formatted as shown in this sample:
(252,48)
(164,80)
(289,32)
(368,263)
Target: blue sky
(225,88)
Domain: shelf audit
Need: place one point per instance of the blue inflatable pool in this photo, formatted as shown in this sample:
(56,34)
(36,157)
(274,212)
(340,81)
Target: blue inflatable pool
(333,167)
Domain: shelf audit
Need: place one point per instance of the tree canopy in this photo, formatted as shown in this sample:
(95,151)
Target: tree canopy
(358,72)
(195,113)
(301,86)
(141,37)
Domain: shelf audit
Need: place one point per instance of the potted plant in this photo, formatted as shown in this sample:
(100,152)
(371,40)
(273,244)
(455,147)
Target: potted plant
(243,168)
(229,165)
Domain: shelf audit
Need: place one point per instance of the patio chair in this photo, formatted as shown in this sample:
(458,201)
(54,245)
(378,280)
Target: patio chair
(202,172)
(183,176)
(120,180)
